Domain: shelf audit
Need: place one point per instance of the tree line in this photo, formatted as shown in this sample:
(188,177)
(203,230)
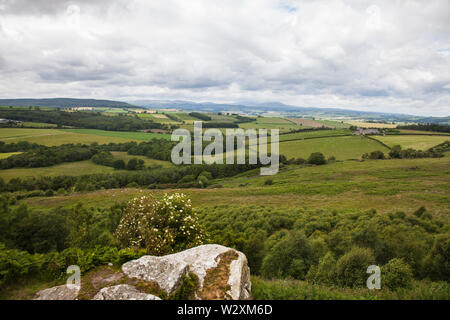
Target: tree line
(82,119)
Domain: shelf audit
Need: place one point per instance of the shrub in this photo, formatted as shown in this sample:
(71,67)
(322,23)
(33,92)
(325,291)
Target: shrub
(352,267)
(317,158)
(396,274)
(160,226)
(119,164)
(202,181)
(268,182)
(375,155)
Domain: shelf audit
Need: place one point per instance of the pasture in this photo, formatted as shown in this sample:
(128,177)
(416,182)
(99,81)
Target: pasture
(282,124)
(5,155)
(313,134)
(54,137)
(418,142)
(144,136)
(63,169)
(309,123)
(346,147)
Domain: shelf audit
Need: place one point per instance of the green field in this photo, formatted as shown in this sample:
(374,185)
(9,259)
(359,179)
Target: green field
(313,134)
(418,142)
(145,136)
(342,148)
(271,123)
(336,124)
(67,169)
(8,154)
(38,125)
(55,137)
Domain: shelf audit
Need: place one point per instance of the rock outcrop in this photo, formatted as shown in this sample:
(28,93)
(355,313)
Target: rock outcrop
(63,292)
(204,272)
(123,292)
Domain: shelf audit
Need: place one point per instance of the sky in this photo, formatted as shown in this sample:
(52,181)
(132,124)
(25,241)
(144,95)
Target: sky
(385,56)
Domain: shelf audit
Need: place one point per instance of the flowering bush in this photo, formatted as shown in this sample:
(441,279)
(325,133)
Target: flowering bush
(161,226)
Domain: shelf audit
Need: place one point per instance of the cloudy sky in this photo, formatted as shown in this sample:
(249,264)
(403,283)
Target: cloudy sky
(367,55)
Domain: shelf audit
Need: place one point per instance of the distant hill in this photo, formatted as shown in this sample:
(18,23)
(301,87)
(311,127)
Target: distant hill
(288,110)
(64,103)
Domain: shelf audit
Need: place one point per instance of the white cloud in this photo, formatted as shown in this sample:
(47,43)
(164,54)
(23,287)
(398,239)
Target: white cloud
(379,56)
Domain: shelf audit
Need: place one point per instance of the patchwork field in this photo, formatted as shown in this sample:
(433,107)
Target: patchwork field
(418,142)
(347,147)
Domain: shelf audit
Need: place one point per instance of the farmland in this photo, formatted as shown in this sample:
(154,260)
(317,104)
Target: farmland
(340,147)
(71,169)
(371,124)
(419,142)
(325,205)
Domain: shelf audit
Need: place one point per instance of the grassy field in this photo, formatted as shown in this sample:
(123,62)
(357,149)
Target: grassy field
(309,123)
(313,134)
(38,125)
(342,148)
(419,142)
(384,185)
(133,136)
(336,124)
(68,169)
(54,137)
(8,154)
(271,123)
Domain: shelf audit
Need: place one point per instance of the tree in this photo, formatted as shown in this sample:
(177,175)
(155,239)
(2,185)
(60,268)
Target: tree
(119,164)
(290,257)
(317,158)
(135,164)
(437,262)
(325,271)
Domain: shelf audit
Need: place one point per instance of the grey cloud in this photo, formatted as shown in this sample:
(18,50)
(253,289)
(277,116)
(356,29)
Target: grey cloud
(314,53)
